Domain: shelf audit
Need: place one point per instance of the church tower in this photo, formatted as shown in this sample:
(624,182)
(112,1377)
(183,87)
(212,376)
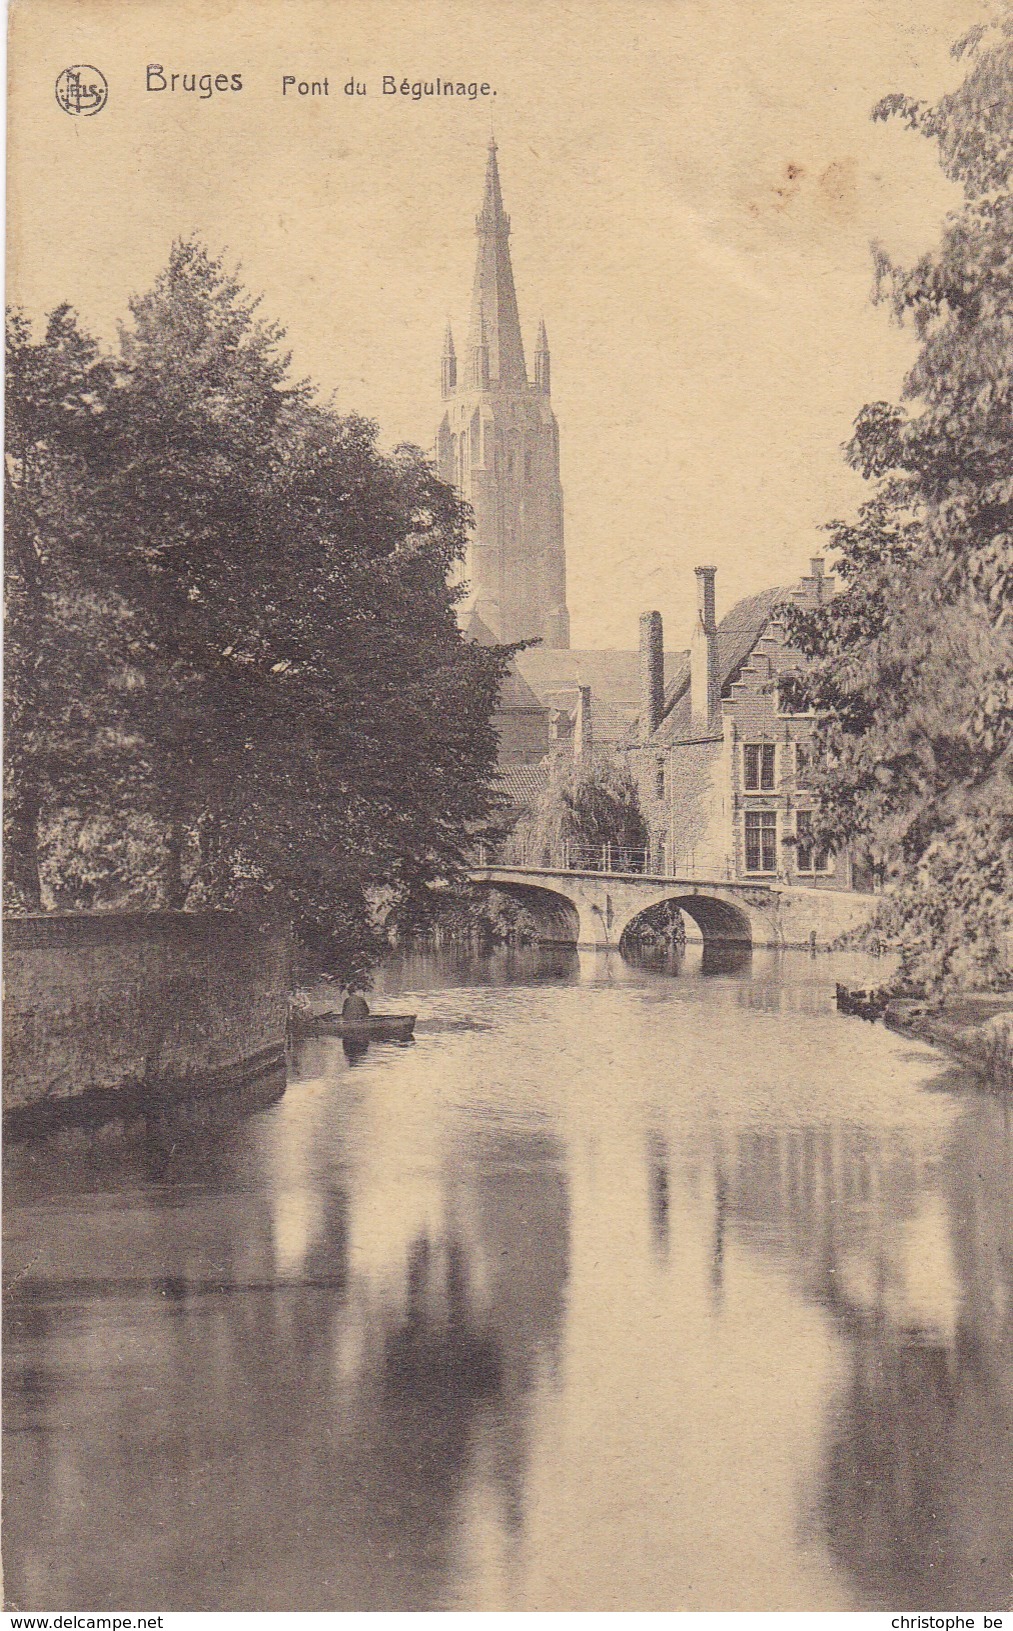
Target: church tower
(499,445)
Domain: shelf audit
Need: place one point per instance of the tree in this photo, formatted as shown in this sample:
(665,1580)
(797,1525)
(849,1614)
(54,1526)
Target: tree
(911,666)
(583,804)
(68,670)
(310,727)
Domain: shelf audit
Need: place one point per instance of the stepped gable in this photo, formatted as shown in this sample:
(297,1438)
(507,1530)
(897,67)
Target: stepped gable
(738,634)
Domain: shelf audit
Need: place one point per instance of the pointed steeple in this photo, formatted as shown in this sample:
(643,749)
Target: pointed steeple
(543,362)
(480,352)
(449,369)
(494,300)
(492,217)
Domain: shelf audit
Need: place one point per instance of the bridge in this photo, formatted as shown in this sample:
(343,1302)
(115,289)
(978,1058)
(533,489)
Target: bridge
(593,905)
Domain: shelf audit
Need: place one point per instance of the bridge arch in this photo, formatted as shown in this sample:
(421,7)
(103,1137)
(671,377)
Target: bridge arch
(557,916)
(719,921)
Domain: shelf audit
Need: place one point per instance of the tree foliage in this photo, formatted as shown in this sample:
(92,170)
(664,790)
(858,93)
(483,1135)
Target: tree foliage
(278,688)
(583,803)
(68,668)
(911,667)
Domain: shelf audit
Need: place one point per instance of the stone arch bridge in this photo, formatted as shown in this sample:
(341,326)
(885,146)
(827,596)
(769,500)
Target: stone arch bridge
(595,908)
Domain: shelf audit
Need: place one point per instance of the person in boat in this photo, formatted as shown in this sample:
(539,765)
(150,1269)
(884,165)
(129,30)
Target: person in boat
(355,1008)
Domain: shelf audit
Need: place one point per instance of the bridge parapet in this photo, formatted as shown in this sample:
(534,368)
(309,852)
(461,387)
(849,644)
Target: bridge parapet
(569,856)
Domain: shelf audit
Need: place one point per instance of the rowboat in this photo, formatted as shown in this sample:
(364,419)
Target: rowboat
(862,1004)
(374,1028)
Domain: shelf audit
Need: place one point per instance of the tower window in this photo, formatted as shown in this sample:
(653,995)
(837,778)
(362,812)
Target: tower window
(659,781)
(758,767)
(527,466)
(761,840)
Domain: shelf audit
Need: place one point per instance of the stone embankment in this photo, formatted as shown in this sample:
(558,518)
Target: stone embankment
(148,1006)
(976,1028)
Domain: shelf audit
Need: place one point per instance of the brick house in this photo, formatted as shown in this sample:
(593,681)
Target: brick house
(723,769)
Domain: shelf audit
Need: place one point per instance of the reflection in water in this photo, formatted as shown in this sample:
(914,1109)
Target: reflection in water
(657,1158)
(355,1048)
(440,1351)
(620,1289)
(706,957)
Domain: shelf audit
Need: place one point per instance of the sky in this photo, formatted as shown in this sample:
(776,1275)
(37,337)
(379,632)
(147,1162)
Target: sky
(694,186)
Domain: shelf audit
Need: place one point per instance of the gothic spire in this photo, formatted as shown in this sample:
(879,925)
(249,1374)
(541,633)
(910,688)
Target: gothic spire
(449,369)
(493,295)
(543,362)
(480,375)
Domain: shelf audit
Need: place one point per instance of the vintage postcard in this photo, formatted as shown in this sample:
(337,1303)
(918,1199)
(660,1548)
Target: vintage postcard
(508,904)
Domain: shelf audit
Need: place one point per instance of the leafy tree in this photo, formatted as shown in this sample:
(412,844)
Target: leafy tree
(911,666)
(592,804)
(69,670)
(308,726)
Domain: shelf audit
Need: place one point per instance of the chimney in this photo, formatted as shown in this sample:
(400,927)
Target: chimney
(652,673)
(704,679)
(582,734)
(816,572)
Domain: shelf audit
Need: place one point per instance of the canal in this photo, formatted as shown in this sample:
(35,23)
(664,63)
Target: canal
(620,1288)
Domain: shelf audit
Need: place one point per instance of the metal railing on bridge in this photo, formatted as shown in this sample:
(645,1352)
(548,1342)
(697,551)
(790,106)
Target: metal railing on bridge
(572,857)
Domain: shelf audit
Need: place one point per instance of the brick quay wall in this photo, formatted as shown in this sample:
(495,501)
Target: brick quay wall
(149,1004)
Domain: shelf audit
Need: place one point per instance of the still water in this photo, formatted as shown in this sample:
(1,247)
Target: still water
(619,1288)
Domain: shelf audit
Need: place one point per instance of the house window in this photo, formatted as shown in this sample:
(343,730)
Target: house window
(759,767)
(659,781)
(809,855)
(761,840)
(803,765)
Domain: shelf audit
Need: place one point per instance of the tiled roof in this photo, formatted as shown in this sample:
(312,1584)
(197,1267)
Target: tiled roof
(614,676)
(515,692)
(523,784)
(738,632)
(479,631)
(610,724)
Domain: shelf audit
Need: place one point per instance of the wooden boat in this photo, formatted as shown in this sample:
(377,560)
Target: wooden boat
(862,1004)
(374,1028)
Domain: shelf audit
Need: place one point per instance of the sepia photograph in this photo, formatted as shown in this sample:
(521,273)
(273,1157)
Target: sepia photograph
(508,808)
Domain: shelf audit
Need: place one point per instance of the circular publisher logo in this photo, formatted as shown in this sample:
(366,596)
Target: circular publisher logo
(82,90)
